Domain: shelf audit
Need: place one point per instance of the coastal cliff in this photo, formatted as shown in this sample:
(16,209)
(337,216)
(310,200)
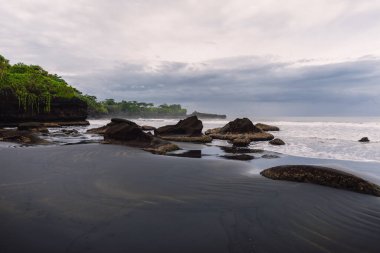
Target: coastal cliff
(61,110)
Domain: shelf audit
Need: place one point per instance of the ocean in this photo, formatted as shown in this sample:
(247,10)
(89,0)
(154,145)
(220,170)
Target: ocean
(314,137)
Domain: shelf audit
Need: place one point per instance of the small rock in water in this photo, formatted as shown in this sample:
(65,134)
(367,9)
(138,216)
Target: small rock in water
(241,157)
(364,139)
(277,142)
(241,142)
(270,156)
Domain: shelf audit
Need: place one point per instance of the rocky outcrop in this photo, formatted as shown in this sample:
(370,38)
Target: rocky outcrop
(277,142)
(267,128)
(239,126)
(32,126)
(98,130)
(190,126)
(21,136)
(239,129)
(121,131)
(364,139)
(61,110)
(322,176)
(187,130)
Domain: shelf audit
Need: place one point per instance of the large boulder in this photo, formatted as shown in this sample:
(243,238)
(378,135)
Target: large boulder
(126,131)
(322,176)
(240,126)
(190,126)
(239,129)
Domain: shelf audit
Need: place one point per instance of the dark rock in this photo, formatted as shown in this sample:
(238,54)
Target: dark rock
(239,129)
(29,126)
(195,139)
(277,142)
(235,150)
(99,130)
(241,142)
(266,127)
(241,157)
(21,136)
(188,154)
(243,125)
(190,126)
(32,126)
(126,132)
(322,176)
(364,139)
(148,128)
(270,156)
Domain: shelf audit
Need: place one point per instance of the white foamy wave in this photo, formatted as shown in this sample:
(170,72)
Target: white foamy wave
(330,140)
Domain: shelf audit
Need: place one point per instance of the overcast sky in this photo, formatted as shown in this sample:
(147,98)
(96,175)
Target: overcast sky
(240,57)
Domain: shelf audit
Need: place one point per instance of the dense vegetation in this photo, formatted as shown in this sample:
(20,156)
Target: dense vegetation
(32,85)
(35,88)
(132,108)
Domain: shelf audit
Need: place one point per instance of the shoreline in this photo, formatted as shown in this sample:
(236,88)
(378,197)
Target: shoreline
(110,198)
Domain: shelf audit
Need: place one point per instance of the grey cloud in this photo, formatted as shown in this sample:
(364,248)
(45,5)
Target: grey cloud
(341,85)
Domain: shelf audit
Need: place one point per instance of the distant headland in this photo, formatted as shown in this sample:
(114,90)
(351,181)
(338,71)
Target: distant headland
(30,93)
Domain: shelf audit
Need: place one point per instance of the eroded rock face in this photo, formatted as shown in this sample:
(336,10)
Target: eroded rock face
(322,176)
(240,126)
(277,142)
(62,110)
(190,126)
(267,128)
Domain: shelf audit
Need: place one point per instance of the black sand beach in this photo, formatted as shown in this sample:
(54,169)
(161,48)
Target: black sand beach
(106,198)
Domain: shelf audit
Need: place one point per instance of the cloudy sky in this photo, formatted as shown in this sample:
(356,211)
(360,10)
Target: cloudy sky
(240,57)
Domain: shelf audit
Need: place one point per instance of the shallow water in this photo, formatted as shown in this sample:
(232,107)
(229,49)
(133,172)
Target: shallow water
(108,198)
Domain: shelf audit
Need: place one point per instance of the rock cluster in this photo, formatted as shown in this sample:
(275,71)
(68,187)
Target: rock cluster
(25,137)
(122,131)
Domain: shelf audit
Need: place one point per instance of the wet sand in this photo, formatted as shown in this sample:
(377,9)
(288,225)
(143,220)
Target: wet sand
(105,198)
